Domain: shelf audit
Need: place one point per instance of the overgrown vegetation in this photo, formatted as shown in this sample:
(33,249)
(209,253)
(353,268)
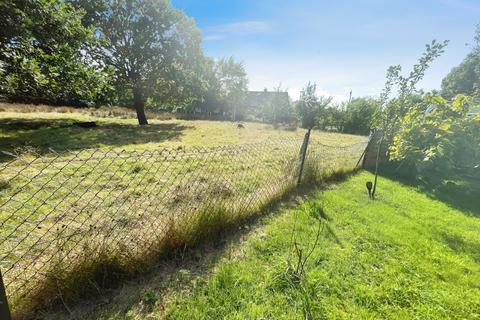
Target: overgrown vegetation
(97,216)
(465,78)
(437,137)
(424,132)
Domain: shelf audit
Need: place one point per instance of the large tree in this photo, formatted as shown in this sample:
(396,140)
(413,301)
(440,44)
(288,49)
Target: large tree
(358,115)
(150,45)
(44,54)
(465,78)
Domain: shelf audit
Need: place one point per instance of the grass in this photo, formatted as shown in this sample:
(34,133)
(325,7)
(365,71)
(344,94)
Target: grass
(70,217)
(404,256)
(43,131)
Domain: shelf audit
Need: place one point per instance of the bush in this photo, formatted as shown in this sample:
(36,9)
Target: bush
(436,135)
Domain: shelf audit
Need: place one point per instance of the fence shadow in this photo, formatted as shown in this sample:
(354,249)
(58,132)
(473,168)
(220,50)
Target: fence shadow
(63,134)
(93,218)
(458,191)
(182,267)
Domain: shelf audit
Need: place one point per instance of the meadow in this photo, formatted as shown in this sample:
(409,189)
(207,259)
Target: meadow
(78,203)
(43,128)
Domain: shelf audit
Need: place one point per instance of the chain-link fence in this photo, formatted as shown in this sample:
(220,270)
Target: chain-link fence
(65,216)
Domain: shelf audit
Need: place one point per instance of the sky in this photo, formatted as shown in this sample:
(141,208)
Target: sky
(342,45)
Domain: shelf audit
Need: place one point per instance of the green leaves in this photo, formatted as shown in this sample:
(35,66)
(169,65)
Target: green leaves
(465,78)
(310,107)
(44,54)
(438,134)
(400,92)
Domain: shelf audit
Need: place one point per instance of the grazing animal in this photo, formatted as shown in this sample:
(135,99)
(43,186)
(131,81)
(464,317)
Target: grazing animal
(240,126)
(369,188)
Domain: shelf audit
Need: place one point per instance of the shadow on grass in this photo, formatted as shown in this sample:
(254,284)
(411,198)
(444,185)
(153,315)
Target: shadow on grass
(460,245)
(63,134)
(180,268)
(459,191)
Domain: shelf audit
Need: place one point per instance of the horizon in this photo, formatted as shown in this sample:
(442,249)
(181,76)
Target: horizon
(292,44)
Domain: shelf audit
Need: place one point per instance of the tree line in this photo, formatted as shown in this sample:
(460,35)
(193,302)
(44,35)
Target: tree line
(111,52)
(147,54)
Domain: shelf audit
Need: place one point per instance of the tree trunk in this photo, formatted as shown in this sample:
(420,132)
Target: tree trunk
(139,104)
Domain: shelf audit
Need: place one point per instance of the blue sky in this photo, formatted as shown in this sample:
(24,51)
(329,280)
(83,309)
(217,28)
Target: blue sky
(341,45)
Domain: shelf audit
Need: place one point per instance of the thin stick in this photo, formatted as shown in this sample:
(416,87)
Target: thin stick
(376,169)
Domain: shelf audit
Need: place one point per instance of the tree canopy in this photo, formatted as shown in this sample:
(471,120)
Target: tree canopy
(465,78)
(311,107)
(438,135)
(151,45)
(44,54)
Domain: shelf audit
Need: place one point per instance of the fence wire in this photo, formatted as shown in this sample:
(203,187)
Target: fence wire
(61,210)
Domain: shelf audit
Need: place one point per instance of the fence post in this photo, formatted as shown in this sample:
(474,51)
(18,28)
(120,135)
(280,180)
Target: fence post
(4,309)
(303,155)
(364,154)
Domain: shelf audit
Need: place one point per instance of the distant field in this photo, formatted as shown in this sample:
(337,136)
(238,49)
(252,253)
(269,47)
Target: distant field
(67,210)
(44,130)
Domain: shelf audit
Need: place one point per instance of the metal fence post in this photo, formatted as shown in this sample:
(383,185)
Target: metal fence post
(303,155)
(4,309)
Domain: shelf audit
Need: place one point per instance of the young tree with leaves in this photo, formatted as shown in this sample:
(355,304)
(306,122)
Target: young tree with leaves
(232,79)
(277,107)
(310,107)
(393,108)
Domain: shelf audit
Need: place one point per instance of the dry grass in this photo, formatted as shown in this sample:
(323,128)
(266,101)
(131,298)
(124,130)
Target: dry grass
(101,112)
(95,216)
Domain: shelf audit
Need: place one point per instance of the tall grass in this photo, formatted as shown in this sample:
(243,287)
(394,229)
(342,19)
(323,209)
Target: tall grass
(122,212)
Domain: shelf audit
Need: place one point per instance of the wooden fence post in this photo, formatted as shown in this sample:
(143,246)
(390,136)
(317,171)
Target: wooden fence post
(303,152)
(4,309)
(364,154)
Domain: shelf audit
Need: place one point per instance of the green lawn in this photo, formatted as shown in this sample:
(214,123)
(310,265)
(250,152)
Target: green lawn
(404,256)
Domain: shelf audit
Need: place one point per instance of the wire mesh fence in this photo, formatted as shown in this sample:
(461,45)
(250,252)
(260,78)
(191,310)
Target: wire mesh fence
(64,214)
